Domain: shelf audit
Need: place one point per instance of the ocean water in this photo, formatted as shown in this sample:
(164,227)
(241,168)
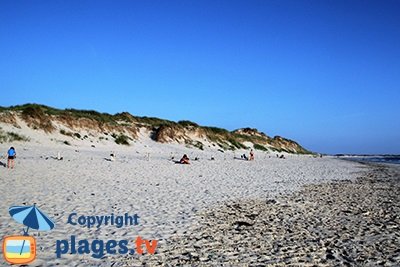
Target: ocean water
(393,159)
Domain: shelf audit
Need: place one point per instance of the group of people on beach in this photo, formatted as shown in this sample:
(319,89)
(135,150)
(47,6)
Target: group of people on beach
(11,155)
(251,157)
(185,159)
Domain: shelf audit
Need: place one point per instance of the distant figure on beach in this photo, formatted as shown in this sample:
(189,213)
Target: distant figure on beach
(244,157)
(184,160)
(112,156)
(11,156)
(251,154)
(282,157)
(1,163)
(59,156)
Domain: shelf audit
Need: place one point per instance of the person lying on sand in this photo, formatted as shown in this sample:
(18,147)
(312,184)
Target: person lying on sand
(184,160)
(1,163)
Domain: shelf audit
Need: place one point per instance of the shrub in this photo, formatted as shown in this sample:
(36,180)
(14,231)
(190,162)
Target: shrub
(122,140)
(235,143)
(152,122)
(260,147)
(35,117)
(11,137)
(186,123)
(199,145)
(124,116)
(216,130)
(91,114)
(64,132)
(16,137)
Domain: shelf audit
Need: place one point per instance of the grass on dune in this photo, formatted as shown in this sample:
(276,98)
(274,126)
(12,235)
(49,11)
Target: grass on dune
(39,117)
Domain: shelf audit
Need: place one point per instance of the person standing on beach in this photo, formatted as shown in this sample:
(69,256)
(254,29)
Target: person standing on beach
(251,154)
(11,156)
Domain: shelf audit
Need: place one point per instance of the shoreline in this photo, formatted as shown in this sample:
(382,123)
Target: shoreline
(364,161)
(335,223)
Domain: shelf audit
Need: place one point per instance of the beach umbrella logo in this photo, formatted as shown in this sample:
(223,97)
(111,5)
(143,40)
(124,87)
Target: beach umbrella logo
(22,249)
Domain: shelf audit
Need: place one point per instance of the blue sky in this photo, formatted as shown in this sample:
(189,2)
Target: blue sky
(324,73)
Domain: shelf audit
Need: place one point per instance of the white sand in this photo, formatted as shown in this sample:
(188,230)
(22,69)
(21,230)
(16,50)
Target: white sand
(165,195)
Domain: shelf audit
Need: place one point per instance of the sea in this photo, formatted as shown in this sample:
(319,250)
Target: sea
(392,159)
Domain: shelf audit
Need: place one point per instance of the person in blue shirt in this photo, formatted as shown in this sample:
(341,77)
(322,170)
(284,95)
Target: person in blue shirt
(11,156)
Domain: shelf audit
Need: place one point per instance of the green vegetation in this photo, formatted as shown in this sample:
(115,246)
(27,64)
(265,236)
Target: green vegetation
(36,110)
(154,122)
(198,144)
(260,147)
(280,149)
(187,123)
(11,137)
(16,137)
(31,107)
(219,136)
(70,134)
(216,130)
(122,140)
(40,117)
(248,138)
(226,146)
(91,114)
(124,116)
(236,143)
(35,117)
(64,132)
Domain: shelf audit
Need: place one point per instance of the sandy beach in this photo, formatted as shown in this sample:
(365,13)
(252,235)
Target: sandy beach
(338,223)
(273,205)
(200,133)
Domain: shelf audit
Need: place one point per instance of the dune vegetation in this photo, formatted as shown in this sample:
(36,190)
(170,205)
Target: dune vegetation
(124,127)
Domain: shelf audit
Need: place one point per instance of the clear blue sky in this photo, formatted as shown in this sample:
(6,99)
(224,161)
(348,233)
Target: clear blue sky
(324,73)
